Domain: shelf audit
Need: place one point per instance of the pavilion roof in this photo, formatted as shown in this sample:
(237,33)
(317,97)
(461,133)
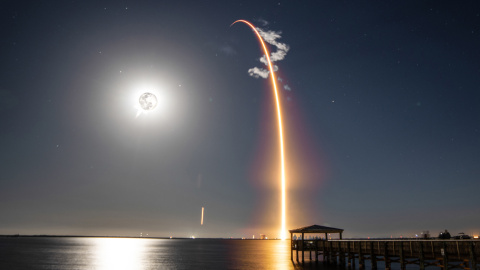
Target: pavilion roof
(316,229)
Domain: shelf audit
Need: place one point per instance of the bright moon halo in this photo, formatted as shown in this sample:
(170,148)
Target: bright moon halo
(148,101)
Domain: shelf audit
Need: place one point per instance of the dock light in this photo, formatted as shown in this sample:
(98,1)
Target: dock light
(475,237)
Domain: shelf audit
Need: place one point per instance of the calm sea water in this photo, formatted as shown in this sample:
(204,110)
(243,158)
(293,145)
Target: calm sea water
(143,253)
(129,253)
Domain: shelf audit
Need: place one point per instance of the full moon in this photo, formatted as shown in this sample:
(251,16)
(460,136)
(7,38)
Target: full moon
(148,101)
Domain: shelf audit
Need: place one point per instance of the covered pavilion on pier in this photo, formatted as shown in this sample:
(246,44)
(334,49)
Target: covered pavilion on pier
(313,229)
(316,229)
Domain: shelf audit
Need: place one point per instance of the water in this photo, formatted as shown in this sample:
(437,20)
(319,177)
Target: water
(134,253)
(143,253)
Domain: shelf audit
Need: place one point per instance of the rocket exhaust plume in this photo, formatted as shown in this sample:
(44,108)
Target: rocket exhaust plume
(201,221)
(283,230)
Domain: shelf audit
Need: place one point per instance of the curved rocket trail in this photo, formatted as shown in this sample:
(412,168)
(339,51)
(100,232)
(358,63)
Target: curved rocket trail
(283,231)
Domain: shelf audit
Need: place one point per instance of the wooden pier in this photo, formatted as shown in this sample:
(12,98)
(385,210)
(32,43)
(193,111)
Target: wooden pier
(353,254)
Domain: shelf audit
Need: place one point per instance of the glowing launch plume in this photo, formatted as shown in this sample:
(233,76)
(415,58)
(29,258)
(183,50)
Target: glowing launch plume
(283,230)
(201,221)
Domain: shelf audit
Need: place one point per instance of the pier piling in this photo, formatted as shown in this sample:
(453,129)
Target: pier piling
(446,254)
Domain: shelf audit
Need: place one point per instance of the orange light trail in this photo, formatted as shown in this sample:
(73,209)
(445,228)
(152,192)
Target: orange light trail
(283,230)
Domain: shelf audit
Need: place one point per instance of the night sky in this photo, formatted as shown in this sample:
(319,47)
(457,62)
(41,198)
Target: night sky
(381,105)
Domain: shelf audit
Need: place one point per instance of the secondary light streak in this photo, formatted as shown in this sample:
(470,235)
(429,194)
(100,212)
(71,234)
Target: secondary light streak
(201,221)
(283,230)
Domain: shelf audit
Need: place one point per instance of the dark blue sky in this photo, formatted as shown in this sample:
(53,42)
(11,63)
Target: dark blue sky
(382,117)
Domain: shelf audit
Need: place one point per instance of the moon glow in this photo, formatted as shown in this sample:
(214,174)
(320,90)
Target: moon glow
(148,101)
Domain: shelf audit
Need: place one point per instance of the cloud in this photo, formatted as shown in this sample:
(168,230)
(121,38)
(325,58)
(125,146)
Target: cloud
(227,50)
(278,55)
(258,72)
(263,22)
(270,37)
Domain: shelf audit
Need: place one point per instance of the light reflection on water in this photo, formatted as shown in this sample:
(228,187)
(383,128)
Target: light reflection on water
(119,253)
(135,253)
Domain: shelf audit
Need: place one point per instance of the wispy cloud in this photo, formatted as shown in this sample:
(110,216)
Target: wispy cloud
(258,72)
(263,22)
(270,37)
(286,87)
(227,50)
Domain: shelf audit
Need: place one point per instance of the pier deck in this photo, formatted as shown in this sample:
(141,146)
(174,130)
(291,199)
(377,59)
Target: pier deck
(447,254)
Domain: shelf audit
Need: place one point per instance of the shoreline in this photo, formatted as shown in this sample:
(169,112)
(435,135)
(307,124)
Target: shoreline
(130,237)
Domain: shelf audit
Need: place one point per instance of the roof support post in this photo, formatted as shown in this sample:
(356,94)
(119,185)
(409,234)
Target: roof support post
(291,246)
(303,248)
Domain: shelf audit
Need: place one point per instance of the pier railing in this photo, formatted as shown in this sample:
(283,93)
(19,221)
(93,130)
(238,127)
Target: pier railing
(447,254)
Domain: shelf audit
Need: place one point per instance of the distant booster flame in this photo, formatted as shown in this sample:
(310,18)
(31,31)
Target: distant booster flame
(201,221)
(283,230)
